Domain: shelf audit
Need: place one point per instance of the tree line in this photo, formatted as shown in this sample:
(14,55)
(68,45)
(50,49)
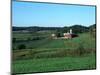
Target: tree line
(75,28)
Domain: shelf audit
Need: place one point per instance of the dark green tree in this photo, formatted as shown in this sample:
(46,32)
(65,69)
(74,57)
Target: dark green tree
(21,46)
(14,40)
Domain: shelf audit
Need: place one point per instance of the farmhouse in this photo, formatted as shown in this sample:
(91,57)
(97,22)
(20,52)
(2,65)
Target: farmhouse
(67,35)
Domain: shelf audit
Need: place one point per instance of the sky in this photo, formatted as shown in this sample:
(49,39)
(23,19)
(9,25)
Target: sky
(25,14)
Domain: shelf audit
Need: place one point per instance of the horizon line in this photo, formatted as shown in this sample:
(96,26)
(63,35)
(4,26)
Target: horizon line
(54,26)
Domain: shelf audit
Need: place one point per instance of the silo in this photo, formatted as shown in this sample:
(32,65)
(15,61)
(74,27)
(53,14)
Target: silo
(70,31)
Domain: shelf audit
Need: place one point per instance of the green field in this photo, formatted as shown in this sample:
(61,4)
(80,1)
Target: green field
(54,64)
(47,54)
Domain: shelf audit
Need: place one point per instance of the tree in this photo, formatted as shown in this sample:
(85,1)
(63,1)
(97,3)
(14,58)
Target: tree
(92,30)
(58,34)
(21,46)
(65,29)
(79,29)
(14,40)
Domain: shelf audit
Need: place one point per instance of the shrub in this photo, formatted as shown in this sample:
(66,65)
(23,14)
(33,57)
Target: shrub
(80,50)
(21,46)
(14,40)
(58,34)
(28,39)
(92,32)
(35,38)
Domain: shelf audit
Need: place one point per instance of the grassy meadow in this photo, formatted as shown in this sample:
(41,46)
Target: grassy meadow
(41,53)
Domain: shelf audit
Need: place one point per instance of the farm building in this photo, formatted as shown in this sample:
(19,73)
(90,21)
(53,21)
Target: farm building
(67,35)
(54,36)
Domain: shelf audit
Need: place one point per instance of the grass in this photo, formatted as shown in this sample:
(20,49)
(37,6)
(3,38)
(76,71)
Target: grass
(26,35)
(54,64)
(54,55)
(84,39)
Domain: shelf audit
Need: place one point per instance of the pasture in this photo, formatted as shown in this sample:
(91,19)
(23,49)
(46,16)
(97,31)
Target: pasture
(54,64)
(44,54)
